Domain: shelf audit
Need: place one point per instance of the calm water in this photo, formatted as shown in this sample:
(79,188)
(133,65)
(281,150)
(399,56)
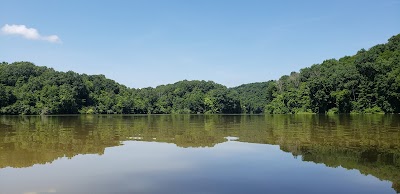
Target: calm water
(200,154)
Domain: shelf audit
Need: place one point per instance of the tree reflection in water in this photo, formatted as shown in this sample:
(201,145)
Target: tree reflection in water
(368,143)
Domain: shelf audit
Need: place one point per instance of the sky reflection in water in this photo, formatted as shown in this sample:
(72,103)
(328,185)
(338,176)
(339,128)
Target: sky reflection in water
(192,155)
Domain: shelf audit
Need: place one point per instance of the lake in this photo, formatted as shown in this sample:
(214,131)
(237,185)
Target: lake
(200,154)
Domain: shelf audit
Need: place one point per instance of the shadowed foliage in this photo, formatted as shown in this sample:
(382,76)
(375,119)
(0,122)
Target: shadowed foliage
(367,82)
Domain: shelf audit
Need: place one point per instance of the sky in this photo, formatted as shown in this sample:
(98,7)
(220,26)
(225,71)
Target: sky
(142,43)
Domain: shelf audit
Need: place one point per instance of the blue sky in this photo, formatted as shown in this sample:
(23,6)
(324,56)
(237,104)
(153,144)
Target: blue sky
(143,43)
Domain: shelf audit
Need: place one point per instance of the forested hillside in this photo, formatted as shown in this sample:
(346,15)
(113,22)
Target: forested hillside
(367,82)
(29,89)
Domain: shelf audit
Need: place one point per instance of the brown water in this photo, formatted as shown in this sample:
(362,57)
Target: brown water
(200,154)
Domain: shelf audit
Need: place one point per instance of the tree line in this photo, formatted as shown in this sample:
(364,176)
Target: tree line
(29,89)
(367,82)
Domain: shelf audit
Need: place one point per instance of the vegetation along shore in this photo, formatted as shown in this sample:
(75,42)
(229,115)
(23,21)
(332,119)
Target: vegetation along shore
(367,82)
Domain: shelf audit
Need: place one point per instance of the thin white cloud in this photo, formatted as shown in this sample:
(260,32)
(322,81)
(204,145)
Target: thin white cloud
(28,33)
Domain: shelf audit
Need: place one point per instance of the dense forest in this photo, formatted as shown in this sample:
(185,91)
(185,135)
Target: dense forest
(367,82)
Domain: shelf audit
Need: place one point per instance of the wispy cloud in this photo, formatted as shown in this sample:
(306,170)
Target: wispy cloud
(28,33)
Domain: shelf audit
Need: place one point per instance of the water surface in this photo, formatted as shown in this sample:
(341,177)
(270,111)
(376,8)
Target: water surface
(200,154)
